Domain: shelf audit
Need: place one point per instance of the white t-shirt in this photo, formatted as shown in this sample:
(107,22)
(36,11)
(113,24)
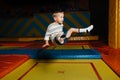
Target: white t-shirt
(52,30)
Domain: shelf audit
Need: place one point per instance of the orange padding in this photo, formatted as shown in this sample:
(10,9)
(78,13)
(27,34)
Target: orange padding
(9,62)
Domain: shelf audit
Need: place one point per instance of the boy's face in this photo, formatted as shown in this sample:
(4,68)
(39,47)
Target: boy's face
(59,18)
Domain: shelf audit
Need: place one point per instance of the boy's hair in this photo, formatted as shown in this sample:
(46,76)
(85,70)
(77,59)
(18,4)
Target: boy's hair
(56,13)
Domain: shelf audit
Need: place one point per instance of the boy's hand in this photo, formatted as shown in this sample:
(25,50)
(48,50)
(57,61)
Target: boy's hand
(45,45)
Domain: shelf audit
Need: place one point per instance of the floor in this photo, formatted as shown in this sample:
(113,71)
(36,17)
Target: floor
(94,68)
(85,69)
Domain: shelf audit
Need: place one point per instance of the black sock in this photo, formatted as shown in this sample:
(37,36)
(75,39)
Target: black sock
(87,31)
(63,36)
(65,40)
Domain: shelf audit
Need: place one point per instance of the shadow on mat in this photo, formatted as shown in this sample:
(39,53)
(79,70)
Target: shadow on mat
(45,55)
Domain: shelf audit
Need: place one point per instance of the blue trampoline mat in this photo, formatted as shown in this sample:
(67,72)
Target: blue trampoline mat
(56,54)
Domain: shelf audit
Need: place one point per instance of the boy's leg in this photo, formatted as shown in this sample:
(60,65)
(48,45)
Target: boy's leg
(63,39)
(70,31)
(59,39)
(76,30)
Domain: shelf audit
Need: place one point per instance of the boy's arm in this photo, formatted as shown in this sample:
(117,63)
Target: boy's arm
(46,38)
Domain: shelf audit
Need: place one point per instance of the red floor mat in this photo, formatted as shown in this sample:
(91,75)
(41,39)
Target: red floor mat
(37,44)
(22,44)
(10,62)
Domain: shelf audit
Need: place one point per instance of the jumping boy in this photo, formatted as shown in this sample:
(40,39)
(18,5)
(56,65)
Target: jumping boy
(55,30)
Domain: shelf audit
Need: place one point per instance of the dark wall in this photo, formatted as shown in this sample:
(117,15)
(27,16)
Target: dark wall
(26,8)
(99,17)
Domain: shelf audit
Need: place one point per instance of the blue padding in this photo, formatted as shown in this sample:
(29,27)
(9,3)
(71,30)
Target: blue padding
(32,52)
(70,54)
(56,54)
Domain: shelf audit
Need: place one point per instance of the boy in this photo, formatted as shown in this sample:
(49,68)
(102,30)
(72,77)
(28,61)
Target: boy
(55,30)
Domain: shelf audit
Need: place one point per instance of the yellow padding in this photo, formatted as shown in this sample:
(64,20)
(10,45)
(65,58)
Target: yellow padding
(73,38)
(68,47)
(86,47)
(78,38)
(9,47)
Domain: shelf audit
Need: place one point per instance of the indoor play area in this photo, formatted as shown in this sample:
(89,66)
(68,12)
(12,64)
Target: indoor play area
(91,55)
